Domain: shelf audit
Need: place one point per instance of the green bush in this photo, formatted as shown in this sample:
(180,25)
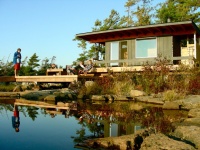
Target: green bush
(6,87)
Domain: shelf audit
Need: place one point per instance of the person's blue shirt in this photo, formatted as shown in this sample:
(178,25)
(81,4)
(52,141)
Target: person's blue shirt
(17,57)
(15,122)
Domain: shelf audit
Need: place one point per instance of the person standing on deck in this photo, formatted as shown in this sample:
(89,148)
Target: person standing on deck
(17,61)
(16,119)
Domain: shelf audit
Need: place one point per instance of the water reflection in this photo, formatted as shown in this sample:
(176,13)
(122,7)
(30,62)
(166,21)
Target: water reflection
(38,130)
(16,119)
(61,126)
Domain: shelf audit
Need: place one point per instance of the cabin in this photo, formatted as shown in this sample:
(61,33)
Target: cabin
(135,45)
(128,49)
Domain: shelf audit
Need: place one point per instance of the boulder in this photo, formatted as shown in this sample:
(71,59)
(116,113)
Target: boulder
(50,98)
(192,122)
(190,102)
(193,113)
(60,104)
(135,93)
(171,105)
(98,97)
(189,133)
(160,141)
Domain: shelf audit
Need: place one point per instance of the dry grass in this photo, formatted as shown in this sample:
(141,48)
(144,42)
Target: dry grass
(172,95)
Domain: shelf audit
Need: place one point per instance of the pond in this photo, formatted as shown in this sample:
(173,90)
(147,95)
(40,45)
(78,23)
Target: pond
(43,127)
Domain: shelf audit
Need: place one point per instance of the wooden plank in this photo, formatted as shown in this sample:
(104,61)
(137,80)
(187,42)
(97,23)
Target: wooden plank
(7,79)
(117,69)
(54,71)
(58,78)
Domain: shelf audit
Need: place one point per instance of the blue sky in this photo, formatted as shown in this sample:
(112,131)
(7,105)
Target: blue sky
(48,27)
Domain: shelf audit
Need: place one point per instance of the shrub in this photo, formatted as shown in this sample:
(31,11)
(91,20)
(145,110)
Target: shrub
(105,84)
(122,84)
(194,85)
(172,95)
(153,78)
(6,87)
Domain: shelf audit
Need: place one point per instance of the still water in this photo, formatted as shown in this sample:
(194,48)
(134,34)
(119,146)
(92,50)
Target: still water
(38,130)
(47,128)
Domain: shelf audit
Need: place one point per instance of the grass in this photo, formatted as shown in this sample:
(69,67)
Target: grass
(172,95)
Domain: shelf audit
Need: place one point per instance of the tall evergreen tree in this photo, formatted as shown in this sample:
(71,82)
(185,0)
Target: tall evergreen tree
(142,12)
(33,64)
(179,10)
(129,17)
(114,21)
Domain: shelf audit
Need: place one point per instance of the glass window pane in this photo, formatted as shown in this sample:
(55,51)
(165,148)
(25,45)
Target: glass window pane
(146,48)
(114,53)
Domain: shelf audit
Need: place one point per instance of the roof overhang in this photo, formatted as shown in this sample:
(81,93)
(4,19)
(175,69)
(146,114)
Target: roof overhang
(186,29)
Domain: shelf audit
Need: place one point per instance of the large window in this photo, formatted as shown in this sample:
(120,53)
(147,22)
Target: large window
(146,48)
(114,53)
(118,51)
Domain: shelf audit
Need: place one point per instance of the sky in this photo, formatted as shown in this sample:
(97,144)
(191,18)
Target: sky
(48,27)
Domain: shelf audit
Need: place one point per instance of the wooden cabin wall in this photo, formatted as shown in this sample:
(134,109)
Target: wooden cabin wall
(165,46)
(198,50)
(131,50)
(107,50)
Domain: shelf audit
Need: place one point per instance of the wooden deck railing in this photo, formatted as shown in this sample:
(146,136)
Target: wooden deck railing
(137,62)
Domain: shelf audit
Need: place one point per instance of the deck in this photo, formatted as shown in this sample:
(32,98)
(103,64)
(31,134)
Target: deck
(58,76)
(71,106)
(43,79)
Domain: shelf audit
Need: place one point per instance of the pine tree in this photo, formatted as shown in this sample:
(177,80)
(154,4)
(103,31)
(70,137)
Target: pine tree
(32,67)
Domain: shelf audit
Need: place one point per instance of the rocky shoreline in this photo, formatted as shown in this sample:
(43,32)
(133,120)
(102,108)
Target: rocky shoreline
(184,137)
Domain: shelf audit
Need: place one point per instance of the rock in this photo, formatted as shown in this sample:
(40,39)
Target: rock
(149,99)
(98,97)
(193,113)
(192,122)
(120,97)
(50,98)
(135,93)
(190,102)
(171,105)
(60,104)
(56,93)
(67,104)
(161,142)
(189,133)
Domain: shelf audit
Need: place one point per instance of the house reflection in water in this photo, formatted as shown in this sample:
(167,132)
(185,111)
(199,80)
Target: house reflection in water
(110,120)
(116,121)
(113,123)
(118,129)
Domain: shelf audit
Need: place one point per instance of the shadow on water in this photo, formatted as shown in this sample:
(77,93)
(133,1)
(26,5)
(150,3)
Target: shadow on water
(103,119)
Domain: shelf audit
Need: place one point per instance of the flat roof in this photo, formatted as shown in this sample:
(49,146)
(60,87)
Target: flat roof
(185,28)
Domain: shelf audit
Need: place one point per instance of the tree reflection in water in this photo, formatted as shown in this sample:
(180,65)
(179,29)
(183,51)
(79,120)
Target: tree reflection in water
(101,118)
(97,117)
